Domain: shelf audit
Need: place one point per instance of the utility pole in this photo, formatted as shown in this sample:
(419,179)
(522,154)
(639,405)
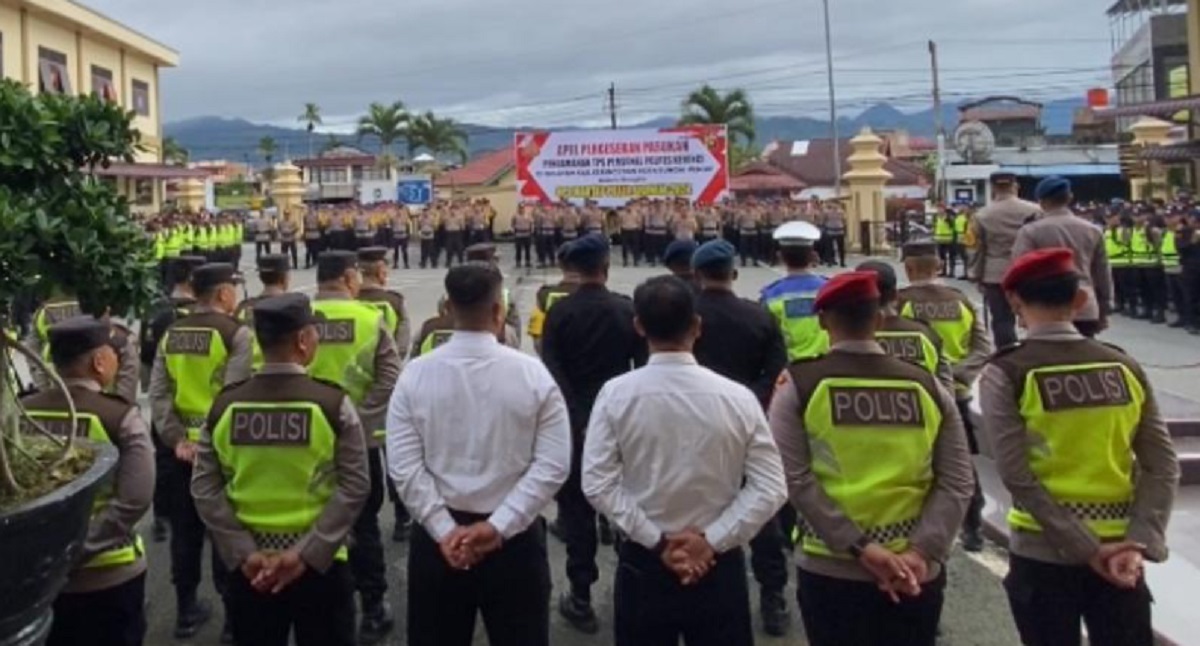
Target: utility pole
(939,127)
(612,104)
(833,119)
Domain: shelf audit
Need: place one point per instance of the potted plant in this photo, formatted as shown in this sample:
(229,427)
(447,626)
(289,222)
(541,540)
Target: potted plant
(61,229)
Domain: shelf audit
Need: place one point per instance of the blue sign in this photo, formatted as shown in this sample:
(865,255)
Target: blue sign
(415,189)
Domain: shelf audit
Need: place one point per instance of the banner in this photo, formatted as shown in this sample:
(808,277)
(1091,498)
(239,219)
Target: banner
(612,167)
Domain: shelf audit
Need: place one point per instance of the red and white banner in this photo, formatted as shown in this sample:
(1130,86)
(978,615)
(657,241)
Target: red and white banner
(612,167)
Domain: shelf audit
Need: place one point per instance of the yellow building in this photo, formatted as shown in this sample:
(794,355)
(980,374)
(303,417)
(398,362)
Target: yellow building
(63,47)
(491,176)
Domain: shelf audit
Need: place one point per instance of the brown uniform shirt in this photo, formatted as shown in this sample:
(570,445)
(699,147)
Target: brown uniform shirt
(996,227)
(377,294)
(925,294)
(1061,228)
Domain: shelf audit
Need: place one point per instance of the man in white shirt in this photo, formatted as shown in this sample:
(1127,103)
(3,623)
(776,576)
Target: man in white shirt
(682,460)
(475,466)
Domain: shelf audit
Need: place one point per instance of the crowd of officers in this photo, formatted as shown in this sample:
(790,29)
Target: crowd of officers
(847,397)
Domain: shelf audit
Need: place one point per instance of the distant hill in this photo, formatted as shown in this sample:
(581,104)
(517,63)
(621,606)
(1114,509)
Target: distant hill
(237,139)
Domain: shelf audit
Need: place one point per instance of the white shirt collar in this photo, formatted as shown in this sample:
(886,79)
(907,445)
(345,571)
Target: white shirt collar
(473,339)
(672,359)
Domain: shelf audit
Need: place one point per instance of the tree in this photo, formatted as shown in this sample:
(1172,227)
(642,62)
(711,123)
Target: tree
(311,119)
(387,123)
(174,153)
(708,106)
(64,231)
(741,155)
(436,135)
(267,148)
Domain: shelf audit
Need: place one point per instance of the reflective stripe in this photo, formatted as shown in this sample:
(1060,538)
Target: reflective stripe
(120,555)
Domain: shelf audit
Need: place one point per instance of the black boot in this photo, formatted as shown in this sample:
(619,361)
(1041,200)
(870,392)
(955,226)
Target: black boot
(774,613)
(1158,318)
(159,530)
(376,621)
(190,614)
(1177,324)
(577,610)
(557,530)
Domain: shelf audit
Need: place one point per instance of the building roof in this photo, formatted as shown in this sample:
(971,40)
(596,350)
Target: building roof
(761,176)
(1048,156)
(1151,108)
(150,171)
(336,162)
(999,108)
(811,162)
(1135,6)
(1178,152)
(93,23)
(486,168)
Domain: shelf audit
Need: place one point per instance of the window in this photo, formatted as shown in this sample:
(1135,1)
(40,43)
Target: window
(102,84)
(143,192)
(53,77)
(333,175)
(141,97)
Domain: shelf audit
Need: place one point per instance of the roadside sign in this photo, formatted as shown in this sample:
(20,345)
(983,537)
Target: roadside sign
(415,189)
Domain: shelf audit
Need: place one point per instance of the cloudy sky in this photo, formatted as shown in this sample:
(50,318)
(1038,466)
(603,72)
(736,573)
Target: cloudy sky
(549,62)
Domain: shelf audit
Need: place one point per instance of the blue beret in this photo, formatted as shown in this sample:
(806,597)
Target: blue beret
(714,253)
(679,251)
(587,248)
(1053,186)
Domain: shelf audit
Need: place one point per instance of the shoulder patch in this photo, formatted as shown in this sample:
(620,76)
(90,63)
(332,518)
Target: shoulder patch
(1113,346)
(1008,349)
(234,385)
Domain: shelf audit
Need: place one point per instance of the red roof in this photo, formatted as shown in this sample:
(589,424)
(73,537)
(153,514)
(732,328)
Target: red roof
(761,176)
(815,167)
(149,171)
(484,169)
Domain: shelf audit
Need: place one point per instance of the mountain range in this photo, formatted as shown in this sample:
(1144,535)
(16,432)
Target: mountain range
(237,139)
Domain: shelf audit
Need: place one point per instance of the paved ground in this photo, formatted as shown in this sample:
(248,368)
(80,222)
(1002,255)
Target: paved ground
(976,612)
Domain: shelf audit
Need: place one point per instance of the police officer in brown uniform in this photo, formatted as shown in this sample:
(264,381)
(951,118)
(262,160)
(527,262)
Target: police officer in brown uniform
(522,225)
(274,275)
(427,231)
(747,226)
(312,237)
(1082,447)
(372,264)
(996,227)
(454,225)
(654,238)
(287,239)
(401,225)
(285,549)
(104,599)
(631,234)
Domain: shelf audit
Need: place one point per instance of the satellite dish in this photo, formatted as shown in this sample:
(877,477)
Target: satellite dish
(975,142)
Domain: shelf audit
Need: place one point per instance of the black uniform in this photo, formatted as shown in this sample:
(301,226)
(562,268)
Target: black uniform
(588,339)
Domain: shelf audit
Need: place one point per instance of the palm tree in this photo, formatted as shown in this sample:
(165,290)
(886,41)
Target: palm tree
(436,135)
(311,119)
(173,152)
(708,106)
(387,123)
(267,148)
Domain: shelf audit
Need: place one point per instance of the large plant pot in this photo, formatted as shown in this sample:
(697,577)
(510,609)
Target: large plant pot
(39,544)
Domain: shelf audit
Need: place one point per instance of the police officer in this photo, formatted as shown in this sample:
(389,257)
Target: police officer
(1188,244)
(904,338)
(962,224)
(364,229)
(485,252)
(312,237)
(740,341)
(1151,282)
(790,298)
(280,476)
(427,231)
(877,466)
(62,308)
(1172,269)
(1081,445)
(401,227)
(654,234)
(358,353)
(288,232)
(435,331)
(199,353)
(996,227)
(522,225)
(262,235)
(678,260)
(1117,236)
(549,294)
(748,239)
(943,237)
(631,233)
(588,339)
(964,343)
(274,274)
(104,599)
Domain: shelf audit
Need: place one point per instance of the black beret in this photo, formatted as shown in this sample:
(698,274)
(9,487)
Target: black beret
(332,264)
(275,262)
(589,248)
(79,335)
(372,254)
(484,251)
(679,251)
(885,276)
(919,249)
(282,314)
(208,277)
(714,253)
(1004,177)
(563,249)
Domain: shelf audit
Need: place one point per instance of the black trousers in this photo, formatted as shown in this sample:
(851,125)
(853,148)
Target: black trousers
(454,247)
(747,246)
(974,518)
(1175,293)
(187,538)
(289,249)
(652,608)
(429,252)
(318,608)
(1048,602)
(837,248)
(1003,320)
(524,245)
(948,255)
(630,246)
(840,612)
(114,616)
(654,244)
(1190,280)
(1125,289)
(768,555)
(399,249)
(1152,287)
(577,519)
(361,240)
(960,252)
(545,248)
(164,472)
(510,590)
(366,550)
(261,247)
(312,249)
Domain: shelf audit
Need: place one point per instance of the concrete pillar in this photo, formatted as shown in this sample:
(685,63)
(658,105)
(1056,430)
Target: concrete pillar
(1150,132)
(866,179)
(287,189)
(190,197)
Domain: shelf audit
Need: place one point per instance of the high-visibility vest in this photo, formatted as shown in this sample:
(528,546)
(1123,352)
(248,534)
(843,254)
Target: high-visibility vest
(349,336)
(1081,404)
(792,307)
(1142,251)
(196,351)
(1119,253)
(434,340)
(54,311)
(92,409)
(275,450)
(172,244)
(913,347)
(943,230)
(1168,251)
(950,319)
(960,225)
(877,434)
(160,245)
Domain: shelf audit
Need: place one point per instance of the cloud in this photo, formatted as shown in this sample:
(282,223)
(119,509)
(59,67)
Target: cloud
(550,62)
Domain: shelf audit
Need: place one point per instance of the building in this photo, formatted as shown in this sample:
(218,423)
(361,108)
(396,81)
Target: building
(491,176)
(811,162)
(1150,52)
(1013,121)
(761,180)
(338,174)
(1088,127)
(1094,171)
(62,47)
(223,171)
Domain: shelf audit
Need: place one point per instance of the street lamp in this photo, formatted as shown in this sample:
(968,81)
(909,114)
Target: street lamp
(833,121)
